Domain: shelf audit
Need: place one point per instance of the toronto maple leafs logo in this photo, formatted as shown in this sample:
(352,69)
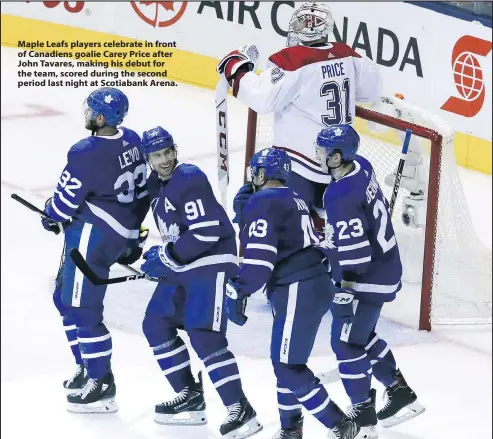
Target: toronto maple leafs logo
(328,242)
(168,234)
(108,99)
(338,132)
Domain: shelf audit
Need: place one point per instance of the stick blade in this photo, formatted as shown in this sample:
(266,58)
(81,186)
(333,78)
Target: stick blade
(82,265)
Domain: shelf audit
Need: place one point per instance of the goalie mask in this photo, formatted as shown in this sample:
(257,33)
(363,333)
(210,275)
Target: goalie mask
(311,23)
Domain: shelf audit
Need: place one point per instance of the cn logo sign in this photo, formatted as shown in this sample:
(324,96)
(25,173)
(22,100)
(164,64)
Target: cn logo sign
(468,76)
(73,7)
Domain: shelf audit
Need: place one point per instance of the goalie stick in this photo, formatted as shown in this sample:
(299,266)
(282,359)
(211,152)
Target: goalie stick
(222,139)
(400,168)
(32,207)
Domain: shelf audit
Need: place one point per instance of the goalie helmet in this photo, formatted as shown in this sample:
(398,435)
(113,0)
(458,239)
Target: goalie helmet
(109,102)
(311,23)
(275,162)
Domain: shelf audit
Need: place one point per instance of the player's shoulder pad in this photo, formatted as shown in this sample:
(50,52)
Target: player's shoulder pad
(342,50)
(265,201)
(352,187)
(295,57)
(83,147)
(190,175)
(188,171)
(132,135)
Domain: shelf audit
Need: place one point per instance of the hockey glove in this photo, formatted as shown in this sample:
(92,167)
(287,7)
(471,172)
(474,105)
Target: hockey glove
(239,201)
(235,303)
(159,261)
(133,254)
(244,59)
(343,304)
(49,224)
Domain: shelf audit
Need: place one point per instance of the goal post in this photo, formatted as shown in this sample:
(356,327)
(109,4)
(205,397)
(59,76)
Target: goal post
(447,269)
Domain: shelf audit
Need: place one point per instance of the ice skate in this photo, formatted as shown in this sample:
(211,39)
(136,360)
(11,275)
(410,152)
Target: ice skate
(401,404)
(359,423)
(241,421)
(76,381)
(291,433)
(188,408)
(97,396)
(345,429)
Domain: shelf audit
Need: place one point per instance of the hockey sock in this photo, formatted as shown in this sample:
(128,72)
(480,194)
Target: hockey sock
(174,360)
(95,347)
(224,374)
(382,360)
(309,392)
(71,333)
(289,407)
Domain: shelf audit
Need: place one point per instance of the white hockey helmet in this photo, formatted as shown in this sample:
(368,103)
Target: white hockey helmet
(310,23)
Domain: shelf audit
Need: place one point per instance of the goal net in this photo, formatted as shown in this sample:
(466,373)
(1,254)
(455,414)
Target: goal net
(447,269)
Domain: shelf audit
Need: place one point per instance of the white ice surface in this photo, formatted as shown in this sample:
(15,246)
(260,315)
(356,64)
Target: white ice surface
(450,368)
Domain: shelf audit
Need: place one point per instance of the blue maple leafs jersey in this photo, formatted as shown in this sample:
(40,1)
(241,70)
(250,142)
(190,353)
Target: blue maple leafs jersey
(188,215)
(278,238)
(104,183)
(358,219)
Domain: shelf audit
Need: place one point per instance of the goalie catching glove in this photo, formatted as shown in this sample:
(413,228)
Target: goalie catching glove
(238,62)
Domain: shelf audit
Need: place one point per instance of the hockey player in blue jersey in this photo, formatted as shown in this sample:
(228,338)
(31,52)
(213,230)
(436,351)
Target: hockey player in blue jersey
(364,246)
(100,200)
(197,257)
(281,257)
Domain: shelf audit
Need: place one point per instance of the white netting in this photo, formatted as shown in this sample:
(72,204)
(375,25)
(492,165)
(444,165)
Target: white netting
(462,289)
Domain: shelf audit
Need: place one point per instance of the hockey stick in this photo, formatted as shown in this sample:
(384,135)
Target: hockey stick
(83,266)
(32,207)
(222,139)
(400,168)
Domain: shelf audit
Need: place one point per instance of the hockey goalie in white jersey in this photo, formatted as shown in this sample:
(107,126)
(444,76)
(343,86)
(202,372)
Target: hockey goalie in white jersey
(308,85)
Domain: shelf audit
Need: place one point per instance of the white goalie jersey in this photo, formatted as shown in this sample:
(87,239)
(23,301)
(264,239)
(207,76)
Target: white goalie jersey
(308,88)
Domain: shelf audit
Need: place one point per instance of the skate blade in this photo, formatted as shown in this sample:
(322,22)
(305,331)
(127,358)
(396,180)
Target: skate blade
(104,406)
(249,429)
(185,418)
(405,414)
(367,433)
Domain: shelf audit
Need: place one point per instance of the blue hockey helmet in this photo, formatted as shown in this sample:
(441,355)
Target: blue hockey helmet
(274,161)
(110,102)
(337,138)
(156,139)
